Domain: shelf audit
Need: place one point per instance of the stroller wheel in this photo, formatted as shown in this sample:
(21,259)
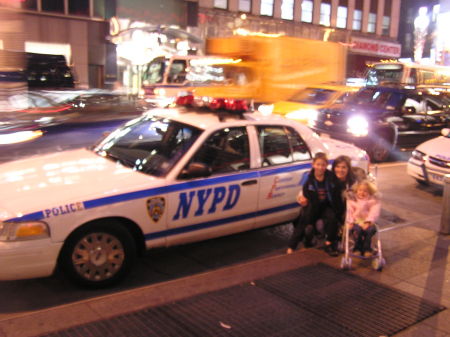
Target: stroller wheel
(378,264)
(346,263)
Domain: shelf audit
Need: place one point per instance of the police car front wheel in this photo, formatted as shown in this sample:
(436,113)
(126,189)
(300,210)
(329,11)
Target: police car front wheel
(98,255)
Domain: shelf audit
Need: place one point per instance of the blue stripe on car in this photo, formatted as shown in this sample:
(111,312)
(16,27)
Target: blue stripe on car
(89,204)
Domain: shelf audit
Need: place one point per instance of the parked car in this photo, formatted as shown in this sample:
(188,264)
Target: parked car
(430,161)
(305,103)
(378,119)
(169,177)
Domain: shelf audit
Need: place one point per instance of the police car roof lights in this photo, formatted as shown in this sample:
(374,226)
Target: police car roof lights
(232,105)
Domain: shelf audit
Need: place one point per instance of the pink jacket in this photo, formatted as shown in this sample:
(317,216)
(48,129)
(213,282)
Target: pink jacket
(362,210)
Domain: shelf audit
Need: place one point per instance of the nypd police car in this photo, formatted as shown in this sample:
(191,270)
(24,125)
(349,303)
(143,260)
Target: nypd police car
(169,177)
(430,161)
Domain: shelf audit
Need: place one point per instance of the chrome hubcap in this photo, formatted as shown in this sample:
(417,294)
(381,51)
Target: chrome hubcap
(98,256)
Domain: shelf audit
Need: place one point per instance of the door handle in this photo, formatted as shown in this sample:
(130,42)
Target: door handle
(249,182)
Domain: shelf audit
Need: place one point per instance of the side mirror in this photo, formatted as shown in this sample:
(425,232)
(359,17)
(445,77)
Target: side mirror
(445,132)
(196,170)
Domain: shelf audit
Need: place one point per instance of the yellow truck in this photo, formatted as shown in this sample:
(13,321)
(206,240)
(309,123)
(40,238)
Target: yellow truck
(270,69)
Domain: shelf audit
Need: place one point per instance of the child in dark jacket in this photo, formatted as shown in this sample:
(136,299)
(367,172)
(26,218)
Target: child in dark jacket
(324,194)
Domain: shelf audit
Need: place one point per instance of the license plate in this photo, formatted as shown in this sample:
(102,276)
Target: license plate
(436,177)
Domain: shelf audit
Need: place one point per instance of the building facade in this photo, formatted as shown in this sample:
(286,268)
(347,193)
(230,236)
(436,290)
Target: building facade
(368,27)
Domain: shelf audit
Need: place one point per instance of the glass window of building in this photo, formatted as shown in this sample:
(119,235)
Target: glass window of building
(325,13)
(342,13)
(287,9)
(307,10)
(245,5)
(221,4)
(267,7)
(357,15)
(386,24)
(372,22)
(99,8)
(53,6)
(29,4)
(79,7)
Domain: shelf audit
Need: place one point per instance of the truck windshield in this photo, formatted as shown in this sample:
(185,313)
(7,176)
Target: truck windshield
(149,144)
(313,96)
(385,74)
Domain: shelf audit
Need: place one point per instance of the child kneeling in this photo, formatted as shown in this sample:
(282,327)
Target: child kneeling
(363,209)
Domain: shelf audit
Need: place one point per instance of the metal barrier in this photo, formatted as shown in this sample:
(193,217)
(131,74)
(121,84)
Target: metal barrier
(445,219)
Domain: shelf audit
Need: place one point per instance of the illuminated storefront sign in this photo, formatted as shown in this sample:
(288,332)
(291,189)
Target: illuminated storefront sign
(375,47)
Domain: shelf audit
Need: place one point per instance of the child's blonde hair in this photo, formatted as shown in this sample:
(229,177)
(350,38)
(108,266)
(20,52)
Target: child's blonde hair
(370,186)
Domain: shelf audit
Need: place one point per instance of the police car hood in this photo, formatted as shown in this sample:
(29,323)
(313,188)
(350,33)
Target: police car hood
(438,147)
(47,181)
(336,148)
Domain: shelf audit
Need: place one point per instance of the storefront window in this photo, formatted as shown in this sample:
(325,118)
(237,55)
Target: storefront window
(287,9)
(53,6)
(79,7)
(223,4)
(267,7)
(307,10)
(244,5)
(29,4)
(325,12)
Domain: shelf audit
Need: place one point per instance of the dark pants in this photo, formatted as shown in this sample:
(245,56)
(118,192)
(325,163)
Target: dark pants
(306,224)
(363,238)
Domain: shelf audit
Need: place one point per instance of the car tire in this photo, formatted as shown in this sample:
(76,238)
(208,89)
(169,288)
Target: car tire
(98,255)
(380,149)
(422,182)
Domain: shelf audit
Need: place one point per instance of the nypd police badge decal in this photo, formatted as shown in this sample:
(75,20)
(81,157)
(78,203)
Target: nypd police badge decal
(155,208)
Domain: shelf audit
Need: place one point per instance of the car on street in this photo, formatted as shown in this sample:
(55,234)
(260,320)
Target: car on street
(381,118)
(305,103)
(430,161)
(171,176)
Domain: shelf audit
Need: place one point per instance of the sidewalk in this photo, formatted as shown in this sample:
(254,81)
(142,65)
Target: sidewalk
(417,264)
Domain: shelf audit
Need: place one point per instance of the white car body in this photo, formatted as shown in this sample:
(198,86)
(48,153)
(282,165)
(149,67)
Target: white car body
(69,190)
(430,161)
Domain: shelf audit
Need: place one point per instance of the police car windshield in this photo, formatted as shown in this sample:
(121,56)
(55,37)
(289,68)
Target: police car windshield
(150,144)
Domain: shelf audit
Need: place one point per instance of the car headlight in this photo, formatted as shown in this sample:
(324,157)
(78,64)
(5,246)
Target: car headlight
(418,155)
(265,109)
(22,231)
(303,115)
(358,126)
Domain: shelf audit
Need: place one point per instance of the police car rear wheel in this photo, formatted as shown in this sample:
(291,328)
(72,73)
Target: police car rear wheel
(99,255)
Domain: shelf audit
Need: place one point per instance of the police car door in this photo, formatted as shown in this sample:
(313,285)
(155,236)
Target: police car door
(285,159)
(219,191)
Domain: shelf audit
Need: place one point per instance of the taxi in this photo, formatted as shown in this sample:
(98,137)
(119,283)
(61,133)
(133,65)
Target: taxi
(430,161)
(305,104)
(172,176)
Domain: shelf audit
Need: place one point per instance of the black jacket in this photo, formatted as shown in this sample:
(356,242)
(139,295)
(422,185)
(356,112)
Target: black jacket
(334,189)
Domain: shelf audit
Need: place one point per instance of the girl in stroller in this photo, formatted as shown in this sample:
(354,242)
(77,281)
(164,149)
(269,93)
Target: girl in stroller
(362,212)
(363,209)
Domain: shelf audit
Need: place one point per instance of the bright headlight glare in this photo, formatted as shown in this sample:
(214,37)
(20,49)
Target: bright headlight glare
(21,231)
(358,126)
(265,109)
